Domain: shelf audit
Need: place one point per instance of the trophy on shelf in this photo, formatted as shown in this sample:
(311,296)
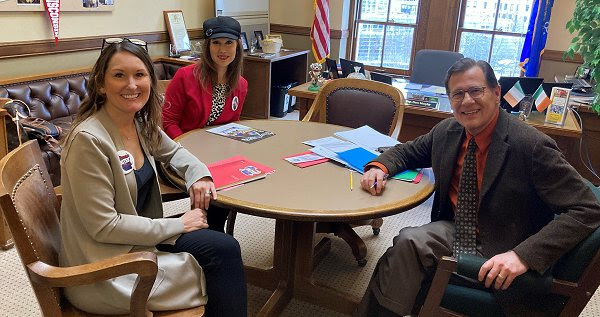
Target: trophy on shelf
(316,79)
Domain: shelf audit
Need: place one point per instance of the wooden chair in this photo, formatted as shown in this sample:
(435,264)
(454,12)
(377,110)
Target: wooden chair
(566,288)
(32,209)
(354,103)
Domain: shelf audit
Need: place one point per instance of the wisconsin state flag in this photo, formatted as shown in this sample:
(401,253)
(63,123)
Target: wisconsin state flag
(514,95)
(541,99)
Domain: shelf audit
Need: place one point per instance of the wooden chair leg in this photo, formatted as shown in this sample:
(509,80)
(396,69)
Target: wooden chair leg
(358,246)
(445,268)
(231,222)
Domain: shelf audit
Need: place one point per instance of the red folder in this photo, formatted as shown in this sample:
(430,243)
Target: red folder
(236,170)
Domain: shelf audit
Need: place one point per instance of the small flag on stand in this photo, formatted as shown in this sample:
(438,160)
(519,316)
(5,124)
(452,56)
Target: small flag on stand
(514,95)
(541,99)
(319,33)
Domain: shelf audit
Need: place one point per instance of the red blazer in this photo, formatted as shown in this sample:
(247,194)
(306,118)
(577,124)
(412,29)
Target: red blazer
(187,105)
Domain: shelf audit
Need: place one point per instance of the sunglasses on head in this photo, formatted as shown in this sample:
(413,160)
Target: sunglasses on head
(116,40)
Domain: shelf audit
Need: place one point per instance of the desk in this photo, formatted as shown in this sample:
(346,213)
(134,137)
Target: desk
(261,73)
(297,198)
(419,120)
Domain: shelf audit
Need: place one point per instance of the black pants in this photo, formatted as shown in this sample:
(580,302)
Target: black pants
(220,257)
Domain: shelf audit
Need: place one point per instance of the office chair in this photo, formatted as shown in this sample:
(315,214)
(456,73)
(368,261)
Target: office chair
(381,78)
(565,289)
(354,103)
(31,209)
(348,67)
(332,68)
(430,66)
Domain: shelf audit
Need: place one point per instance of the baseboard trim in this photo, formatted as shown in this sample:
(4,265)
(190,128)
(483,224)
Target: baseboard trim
(305,31)
(557,56)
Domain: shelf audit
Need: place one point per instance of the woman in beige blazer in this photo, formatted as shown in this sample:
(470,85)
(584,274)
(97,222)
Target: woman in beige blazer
(111,200)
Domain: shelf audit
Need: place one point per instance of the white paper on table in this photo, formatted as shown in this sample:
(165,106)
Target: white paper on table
(320,150)
(368,138)
(324,141)
(304,158)
(413,86)
(434,89)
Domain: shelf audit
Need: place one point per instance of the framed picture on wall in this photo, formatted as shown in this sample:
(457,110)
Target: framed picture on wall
(244,40)
(259,37)
(180,40)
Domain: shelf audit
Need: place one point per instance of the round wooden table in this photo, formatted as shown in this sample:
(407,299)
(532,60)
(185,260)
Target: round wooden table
(298,198)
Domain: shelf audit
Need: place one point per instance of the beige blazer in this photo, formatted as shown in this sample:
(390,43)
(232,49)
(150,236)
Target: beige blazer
(98,220)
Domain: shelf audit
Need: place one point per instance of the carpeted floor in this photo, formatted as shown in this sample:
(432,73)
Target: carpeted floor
(337,270)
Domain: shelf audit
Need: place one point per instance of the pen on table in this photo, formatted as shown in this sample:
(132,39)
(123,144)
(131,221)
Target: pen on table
(351,187)
(375,183)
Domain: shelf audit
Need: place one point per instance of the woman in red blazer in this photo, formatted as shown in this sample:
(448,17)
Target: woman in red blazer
(213,90)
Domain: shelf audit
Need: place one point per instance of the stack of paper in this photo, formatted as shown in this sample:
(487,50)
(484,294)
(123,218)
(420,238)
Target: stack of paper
(306,159)
(241,132)
(367,138)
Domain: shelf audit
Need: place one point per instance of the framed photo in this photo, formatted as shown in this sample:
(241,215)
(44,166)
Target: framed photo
(259,37)
(557,111)
(180,40)
(244,40)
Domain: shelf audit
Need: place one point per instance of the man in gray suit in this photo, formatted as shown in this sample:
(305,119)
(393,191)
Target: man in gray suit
(530,205)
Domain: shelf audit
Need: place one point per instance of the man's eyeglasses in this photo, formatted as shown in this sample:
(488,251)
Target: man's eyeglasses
(116,40)
(474,92)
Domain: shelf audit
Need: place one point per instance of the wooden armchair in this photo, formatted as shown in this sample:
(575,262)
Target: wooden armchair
(355,103)
(565,289)
(32,209)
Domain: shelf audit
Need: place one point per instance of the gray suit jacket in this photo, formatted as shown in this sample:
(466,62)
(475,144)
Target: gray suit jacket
(98,220)
(531,201)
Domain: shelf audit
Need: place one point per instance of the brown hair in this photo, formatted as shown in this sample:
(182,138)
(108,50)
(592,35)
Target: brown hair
(149,115)
(206,71)
(464,64)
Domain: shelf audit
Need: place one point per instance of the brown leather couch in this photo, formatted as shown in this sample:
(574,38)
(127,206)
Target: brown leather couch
(56,98)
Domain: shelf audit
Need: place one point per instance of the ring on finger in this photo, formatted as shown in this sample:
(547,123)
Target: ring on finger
(207,194)
(501,277)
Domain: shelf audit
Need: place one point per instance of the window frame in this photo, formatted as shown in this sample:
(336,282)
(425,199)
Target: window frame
(494,32)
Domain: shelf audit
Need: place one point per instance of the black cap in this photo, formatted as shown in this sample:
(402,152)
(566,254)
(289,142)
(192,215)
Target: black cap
(222,26)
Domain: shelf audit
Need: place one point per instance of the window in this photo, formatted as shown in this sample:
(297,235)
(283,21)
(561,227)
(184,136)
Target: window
(385,32)
(494,35)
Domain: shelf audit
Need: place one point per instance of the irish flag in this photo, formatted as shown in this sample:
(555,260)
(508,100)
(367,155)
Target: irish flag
(514,95)
(541,99)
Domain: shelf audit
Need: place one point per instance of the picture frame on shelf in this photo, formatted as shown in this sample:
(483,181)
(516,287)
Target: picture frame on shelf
(244,40)
(177,31)
(259,37)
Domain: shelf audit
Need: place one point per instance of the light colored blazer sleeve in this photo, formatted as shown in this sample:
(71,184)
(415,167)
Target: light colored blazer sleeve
(101,199)
(181,160)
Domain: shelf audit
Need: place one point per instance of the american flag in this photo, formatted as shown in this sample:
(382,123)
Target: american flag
(319,33)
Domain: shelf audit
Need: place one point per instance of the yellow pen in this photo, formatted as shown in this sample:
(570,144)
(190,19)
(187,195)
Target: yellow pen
(351,180)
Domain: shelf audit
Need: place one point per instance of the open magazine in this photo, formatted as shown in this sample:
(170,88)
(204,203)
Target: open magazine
(241,132)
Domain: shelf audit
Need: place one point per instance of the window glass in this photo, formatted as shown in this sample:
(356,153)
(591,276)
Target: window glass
(374,10)
(398,47)
(404,11)
(479,16)
(369,43)
(475,45)
(506,53)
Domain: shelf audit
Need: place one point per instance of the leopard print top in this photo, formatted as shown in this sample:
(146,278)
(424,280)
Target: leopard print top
(218,102)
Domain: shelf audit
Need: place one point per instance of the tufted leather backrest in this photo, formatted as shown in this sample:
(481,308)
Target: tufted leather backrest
(50,98)
(31,210)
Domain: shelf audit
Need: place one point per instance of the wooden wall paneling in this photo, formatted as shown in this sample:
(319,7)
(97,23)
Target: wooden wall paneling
(442,16)
(43,47)
(257,72)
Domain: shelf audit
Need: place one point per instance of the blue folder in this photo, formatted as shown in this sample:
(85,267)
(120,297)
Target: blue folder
(357,158)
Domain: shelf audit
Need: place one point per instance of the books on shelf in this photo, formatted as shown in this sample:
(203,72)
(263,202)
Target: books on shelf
(241,132)
(236,170)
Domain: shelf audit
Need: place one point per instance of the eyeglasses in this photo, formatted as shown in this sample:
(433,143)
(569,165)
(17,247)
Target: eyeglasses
(474,92)
(116,40)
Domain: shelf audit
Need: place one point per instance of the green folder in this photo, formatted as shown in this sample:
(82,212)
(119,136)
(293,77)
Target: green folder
(407,175)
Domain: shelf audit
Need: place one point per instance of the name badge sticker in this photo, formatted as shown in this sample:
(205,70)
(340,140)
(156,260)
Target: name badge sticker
(235,103)
(126,160)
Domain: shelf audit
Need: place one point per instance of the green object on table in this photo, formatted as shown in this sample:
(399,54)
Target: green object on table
(407,175)
(313,87)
